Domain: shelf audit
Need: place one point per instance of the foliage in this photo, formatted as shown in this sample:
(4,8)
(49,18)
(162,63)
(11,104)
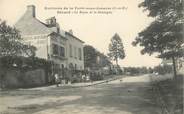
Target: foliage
(116,48)
(116,69)
(94,59)
(163,69)
(165,34)
(102,60)
(24,63)
(162,7)
(157,38)
(136,70)
(178,53)
(89,56)
(11,42)
(95,76)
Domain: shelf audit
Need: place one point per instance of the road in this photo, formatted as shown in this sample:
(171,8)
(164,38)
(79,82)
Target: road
(109,98)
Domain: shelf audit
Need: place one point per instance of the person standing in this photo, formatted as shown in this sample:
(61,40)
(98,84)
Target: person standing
(57,80)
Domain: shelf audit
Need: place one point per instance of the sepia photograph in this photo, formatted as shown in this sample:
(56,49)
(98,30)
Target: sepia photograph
(91,56)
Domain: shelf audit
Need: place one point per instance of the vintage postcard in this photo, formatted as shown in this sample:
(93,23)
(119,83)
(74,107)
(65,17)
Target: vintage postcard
(91,56)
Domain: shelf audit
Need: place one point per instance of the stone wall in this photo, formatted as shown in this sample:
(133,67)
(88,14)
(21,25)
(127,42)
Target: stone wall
(16,79)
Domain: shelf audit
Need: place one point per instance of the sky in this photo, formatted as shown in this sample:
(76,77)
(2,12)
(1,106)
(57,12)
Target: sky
(93,29)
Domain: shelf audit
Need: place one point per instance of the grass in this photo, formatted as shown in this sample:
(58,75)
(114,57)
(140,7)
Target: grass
(171,91)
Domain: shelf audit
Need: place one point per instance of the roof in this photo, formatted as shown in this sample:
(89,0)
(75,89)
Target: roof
(58,34)
(28,24)
(74,37)
(31,26)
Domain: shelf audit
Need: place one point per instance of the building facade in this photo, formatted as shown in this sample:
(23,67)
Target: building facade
(52,43)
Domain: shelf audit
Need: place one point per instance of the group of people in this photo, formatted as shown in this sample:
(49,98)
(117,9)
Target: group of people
(59,80)
(72,78)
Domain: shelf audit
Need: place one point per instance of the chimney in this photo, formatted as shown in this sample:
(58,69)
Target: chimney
(31,10)
(51,22)
(71,31)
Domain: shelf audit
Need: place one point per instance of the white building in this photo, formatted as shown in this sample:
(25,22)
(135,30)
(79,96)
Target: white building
(52,43)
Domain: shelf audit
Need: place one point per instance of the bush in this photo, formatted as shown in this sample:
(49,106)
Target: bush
(163,69)
(24,63)
(95,76)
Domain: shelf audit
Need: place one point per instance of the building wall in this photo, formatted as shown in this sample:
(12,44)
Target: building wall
(60,42)
(45,36)
(73,46)
(40,42)
(44,45)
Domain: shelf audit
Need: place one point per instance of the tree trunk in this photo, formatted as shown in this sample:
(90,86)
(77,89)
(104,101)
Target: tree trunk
(174,67)
(2,78)
(117,62)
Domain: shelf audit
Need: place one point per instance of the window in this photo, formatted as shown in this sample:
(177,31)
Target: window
(70,50)
(80,54)
(55,49)
(62,66)
(56,68)
(75,52)
(71,66)
(75,66)
(62,51)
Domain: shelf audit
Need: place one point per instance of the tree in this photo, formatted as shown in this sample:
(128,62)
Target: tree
(11,42)
(164,69)
(94,59)
(90,56)
(165,34)
(11,47)
(102,60)
(116,49)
